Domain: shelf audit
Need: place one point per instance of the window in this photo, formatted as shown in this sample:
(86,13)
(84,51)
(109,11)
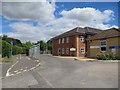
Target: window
(82,51)
(62,50)
(58,51)
(103,46)
(59,41)
(82,38)
(67,50)
(103,42)
(67,39)
(62,40)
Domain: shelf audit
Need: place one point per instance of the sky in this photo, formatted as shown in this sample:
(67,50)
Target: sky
(34,21)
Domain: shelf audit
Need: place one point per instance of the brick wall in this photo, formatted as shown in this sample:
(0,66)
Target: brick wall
(65,45)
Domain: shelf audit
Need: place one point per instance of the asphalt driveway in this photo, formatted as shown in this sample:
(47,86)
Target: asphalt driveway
(56,72)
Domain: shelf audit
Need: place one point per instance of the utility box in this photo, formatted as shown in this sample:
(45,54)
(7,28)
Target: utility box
(34,51)
(9,55)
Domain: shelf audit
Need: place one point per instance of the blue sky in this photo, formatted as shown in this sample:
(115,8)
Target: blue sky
(98,5)
(55,15)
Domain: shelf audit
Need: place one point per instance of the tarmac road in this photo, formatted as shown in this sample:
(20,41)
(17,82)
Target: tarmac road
(56,72)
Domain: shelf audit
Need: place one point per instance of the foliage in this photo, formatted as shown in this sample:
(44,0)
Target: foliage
(106,56)
(49,45)
(16,50)
(15,41)
(5,48)
(25,47)
(21,48)
(43,45)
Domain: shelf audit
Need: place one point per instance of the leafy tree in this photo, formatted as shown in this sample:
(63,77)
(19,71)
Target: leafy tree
(49,45)
(16,50)
(26,47)
(43,45)
(15,41)
(5,48)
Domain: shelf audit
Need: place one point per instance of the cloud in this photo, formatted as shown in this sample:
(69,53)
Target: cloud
(37,11)
(28,32)
(49,26)
(84,17)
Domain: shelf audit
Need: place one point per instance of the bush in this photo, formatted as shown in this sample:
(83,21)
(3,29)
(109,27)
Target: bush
(106,56)
(17,50)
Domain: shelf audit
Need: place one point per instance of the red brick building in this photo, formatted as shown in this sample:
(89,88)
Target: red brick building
(74,42)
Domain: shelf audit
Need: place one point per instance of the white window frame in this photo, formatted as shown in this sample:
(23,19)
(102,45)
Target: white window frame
(103,46)
(67,39)
(59,50)
(59,41)
(63,51)
(67,50)
(63,39)
(83,50)
(82,39)
(103,41)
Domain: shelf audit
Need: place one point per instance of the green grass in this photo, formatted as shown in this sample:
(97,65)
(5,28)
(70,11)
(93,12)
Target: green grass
(6,59)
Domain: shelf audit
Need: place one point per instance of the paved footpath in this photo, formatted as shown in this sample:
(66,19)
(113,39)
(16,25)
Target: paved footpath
(57,72)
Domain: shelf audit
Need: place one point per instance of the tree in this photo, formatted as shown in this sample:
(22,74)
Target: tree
(15,41)
(5,48)
(42,45)
(16,50)
(49,45)
(26,47)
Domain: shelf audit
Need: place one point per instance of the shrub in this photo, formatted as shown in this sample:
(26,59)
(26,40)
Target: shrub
(106,56)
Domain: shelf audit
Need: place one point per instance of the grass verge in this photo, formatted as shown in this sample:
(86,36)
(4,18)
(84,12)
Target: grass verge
(6,59)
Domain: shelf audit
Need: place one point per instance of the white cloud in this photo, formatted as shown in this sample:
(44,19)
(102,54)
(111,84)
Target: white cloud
(27,32)
(88,15)
(38,11)
(84,17)
(49,26)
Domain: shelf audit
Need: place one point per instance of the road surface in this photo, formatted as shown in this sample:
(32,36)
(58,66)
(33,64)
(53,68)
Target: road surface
(56,72)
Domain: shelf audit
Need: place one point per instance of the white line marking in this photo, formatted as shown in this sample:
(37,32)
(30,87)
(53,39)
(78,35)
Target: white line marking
(24,70)
(37,61)
(16,71)
(8,74)
(32,68)
(21,69)
(28,58)
(38,64)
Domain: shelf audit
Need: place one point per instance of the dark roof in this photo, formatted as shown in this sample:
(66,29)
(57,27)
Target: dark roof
(79,31)
(113,32)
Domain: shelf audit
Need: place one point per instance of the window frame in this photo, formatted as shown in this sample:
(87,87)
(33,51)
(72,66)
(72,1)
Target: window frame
(67,51)
(63,51)
(104,45)
(67,39)
(63,40)
(59,41)
(82,38)
(81,50)
(103,41)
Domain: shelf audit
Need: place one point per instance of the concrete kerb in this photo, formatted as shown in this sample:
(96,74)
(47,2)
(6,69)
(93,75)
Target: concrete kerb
(85,59)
